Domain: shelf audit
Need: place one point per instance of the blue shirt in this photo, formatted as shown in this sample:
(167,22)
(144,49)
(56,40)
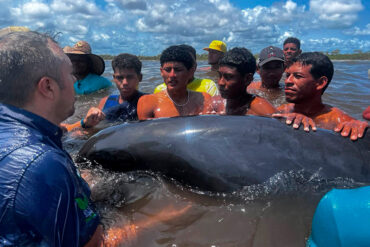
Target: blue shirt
(91,83)
(42,197)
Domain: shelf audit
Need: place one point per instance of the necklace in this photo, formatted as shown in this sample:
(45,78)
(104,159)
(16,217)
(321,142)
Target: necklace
(176,104)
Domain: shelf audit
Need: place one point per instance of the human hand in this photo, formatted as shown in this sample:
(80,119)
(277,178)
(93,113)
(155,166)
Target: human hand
(297,119)
(93,117)
(354,129)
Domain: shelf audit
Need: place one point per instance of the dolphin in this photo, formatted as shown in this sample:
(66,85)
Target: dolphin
(225,153)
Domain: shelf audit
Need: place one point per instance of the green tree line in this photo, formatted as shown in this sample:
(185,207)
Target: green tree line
(333,55)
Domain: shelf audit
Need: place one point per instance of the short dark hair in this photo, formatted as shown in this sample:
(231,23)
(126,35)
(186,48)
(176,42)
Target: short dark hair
(240,58)
(294,41)
(177,53)
(190,49)
(26,57)
(320,65)
(127,61)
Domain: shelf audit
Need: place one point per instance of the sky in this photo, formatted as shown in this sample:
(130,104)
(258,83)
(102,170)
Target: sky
(147,27)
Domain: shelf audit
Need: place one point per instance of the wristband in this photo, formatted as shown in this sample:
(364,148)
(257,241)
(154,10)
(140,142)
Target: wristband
(83,124)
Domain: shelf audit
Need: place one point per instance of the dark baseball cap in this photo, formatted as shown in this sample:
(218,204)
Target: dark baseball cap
(270,53)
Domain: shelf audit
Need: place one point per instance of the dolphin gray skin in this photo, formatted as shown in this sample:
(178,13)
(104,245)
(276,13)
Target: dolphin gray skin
(225,153)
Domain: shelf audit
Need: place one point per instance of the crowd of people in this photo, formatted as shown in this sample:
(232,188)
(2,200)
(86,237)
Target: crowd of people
(38,177)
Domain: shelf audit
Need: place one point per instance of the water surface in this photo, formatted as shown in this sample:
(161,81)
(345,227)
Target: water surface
(157,211)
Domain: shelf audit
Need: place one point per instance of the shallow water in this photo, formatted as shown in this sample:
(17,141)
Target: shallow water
(157,211)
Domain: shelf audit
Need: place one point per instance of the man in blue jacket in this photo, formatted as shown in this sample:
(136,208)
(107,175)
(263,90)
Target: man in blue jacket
(43,199)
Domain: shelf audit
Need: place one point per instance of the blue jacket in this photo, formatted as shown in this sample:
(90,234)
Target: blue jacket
(42,197)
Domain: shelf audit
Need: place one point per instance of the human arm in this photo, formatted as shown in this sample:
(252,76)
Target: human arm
(54,203)
(92,117)
(261,107)
(145,107)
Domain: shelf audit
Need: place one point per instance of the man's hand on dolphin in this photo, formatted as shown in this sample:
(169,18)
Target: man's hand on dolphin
(354,129)
(297,119)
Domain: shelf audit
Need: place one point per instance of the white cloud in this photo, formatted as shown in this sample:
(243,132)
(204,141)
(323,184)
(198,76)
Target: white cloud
(131,25)
(35,9)
(336,13)
(290,6)
(358,31)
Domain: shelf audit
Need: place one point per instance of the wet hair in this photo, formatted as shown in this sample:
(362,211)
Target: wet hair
(294,41)
(191,50)
(320,65)
(240,58)
(177,53)
(26,57)
(127,61)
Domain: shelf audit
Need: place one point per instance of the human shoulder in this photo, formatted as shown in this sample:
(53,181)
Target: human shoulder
(146,105)
(254,85)
(261,107)
(52,162)
(102,102)
(52,189)
(333,114)
(206,95)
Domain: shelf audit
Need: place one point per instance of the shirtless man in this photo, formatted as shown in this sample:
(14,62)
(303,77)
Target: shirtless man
(195,84)
(236,70)
(270,67)
(127,75)
(176,69)
(308,75)
(291,48)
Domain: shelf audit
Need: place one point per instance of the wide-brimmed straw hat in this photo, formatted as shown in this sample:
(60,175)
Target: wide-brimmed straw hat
(12,29)
(84,49)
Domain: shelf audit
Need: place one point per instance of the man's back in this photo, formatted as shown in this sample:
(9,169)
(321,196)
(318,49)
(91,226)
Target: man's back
(38,185)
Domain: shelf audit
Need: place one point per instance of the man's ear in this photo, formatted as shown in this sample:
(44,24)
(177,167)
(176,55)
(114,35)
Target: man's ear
(140,77)
(258,69)
(47,87)
(299,52)
(322,82)
(195,65)
(248,78)
(193,69)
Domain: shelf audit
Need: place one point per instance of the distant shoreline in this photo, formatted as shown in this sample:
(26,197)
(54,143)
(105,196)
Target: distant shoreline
(343,57)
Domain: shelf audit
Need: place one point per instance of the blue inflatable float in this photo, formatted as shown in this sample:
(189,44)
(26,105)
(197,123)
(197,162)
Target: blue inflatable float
(342,219)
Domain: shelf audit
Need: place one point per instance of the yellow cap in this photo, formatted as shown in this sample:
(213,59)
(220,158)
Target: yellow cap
(11,29)
(216,45)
